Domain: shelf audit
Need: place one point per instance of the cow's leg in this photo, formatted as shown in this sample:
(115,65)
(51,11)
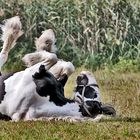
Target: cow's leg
(11,32)
(49,59)
(16,117)
(36,57)
(61,68)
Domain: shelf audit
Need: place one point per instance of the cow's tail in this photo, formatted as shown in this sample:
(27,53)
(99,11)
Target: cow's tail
(11,31)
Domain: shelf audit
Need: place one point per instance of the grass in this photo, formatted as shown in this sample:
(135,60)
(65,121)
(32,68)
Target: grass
(122,90)
(63,131)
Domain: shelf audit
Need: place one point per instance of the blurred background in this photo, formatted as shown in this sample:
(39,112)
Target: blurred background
(94,34)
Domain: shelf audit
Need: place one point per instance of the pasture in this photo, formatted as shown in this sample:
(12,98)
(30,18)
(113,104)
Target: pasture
(122,90)
(96,35)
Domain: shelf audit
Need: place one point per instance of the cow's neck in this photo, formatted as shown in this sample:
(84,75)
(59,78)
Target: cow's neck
(59,99)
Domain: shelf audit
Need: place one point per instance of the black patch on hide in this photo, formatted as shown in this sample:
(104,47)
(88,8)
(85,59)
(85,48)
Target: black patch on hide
(63,79)
(2,85)
(48,85)
(4,117)
(89,92)
(94,107)
(2,93)
(82,79)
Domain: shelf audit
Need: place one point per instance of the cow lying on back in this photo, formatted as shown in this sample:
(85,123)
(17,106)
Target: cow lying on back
(35,93)
(46,99)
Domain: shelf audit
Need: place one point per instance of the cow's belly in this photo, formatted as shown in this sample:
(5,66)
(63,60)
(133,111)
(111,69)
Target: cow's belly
(44,108)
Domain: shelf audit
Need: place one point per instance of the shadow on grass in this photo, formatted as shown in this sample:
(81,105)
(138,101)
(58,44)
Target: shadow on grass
(4,117)
(121,119)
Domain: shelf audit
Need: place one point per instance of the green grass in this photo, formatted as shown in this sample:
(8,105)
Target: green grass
(74,23)
(69,131)
(121,90)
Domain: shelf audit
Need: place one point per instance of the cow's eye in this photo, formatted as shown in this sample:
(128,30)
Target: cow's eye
(46,42)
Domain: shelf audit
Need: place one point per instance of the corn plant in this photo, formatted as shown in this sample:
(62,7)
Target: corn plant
(89,32)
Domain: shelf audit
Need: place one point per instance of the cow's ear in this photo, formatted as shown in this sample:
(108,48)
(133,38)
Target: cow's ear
(42,70)
(36,75)
(63,79)
(41,73)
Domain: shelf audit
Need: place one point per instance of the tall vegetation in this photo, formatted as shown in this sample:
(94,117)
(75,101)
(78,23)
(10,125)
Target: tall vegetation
(93,33)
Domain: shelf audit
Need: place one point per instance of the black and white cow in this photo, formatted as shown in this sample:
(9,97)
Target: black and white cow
(34,93)
(46,99)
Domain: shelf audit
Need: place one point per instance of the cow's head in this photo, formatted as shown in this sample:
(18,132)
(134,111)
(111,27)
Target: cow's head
(46,41)
(87,82)
(88,95)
